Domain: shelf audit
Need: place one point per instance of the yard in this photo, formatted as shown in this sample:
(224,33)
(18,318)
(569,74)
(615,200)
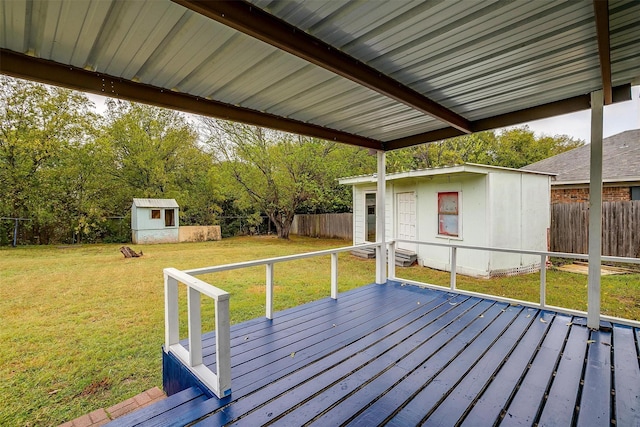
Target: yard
(82,328)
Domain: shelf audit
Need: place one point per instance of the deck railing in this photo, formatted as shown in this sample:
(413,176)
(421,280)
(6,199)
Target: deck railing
(220,382)
(544,255)
(270,263)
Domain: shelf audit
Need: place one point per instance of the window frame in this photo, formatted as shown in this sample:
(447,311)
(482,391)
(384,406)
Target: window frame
(441,232)
(154,212)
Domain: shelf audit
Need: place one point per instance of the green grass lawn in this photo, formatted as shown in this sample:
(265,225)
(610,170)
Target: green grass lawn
(82,327)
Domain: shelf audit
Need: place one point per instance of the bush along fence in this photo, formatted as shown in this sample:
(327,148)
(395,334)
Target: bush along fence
(620,228)
(331,226)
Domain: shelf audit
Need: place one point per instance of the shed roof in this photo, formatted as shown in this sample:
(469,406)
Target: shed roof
(620,161)
(155,203)
(464,169)
(375,74)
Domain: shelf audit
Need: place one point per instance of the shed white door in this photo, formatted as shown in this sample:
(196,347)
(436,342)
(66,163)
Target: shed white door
(406,222)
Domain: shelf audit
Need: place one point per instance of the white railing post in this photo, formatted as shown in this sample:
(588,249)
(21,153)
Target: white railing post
(334,275)
(223,348)
(171,325)
(269,309)
(195,327)
(543,281)
(392,260)
(452,280)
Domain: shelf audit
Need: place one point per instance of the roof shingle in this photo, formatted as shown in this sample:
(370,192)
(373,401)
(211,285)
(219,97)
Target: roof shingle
(620,161)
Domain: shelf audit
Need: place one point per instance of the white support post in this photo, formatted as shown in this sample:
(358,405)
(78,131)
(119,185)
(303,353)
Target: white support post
(595,211)
(195,327)
(452,280)
(543,281)
(391,269)
(334,275)
(381,253)
(223,349)
(171,325)
(269,281)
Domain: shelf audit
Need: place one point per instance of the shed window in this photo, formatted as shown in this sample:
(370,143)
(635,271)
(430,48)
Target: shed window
(169,218)
(635,193)
(155,213)
(448,214)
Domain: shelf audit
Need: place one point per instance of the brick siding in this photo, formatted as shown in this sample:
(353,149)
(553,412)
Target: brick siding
(577,195)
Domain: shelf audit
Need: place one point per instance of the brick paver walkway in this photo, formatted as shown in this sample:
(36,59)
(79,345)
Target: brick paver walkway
(102,416)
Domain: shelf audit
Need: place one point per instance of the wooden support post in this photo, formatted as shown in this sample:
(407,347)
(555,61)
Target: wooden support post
(195,327)
(269,281)
(381,254)
(391,272)
(595,211)
(171,325)
(452,280)
(223,347)
(334,275)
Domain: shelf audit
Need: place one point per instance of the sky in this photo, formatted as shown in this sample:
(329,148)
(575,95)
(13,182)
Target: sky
(617,118)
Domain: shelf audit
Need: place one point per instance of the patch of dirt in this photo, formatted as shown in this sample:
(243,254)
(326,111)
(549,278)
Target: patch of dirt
(96,387)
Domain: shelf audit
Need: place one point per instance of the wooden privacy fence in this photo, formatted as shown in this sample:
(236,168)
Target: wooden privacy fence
(333,226)
(620,228)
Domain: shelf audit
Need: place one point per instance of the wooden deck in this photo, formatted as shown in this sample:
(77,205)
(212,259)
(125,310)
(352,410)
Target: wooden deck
(402,355)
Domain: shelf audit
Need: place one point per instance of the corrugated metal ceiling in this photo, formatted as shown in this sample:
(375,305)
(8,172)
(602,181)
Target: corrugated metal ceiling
(478,59)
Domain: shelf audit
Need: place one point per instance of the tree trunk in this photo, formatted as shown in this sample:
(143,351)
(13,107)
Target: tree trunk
(282,222)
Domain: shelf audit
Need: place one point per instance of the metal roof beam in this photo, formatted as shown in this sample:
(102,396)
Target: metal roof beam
(601,11)
(255,22)
(53,73)
(565,106)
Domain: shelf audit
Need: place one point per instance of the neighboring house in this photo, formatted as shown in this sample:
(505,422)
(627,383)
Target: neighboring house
(469,204)
(620,170)
(154,221)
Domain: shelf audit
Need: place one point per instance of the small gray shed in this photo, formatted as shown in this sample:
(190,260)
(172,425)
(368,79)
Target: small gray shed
(154,221)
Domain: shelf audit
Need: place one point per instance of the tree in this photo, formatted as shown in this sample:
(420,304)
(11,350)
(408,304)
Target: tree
(513,148)
(155,153)
(281,174)
(39,126)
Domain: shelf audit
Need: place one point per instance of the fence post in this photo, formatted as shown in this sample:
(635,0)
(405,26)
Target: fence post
(334,275)
(269,310)
(392,260)
(171,325)
(452,280)
(543,281)
(223,346)
(195,327)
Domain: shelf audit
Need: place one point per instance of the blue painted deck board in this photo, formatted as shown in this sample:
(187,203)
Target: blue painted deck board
(626,377)
(528,401)
(563,393)
(335,386)
(594,409)
(449,360)
(160,409)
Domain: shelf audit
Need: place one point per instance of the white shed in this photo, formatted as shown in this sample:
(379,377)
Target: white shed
(154,221)
(468,204)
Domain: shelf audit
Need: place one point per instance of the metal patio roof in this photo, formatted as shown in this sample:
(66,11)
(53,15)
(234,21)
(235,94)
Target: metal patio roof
(376,74)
